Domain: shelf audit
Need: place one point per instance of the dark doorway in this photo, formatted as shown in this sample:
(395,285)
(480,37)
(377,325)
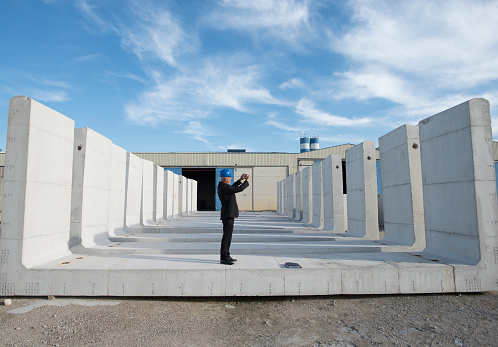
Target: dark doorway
(205,178)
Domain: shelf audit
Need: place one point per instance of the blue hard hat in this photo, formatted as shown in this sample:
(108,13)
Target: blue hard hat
(225,173)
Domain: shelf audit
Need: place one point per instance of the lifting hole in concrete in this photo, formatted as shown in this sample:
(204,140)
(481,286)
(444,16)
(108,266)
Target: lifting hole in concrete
(337,166)
(79,148)
(369,158)
(414,146)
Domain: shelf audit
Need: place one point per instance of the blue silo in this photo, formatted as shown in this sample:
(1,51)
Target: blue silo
(304,143)
(314,145)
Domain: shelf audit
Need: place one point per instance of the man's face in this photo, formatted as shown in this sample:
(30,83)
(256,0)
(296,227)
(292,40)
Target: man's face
(227,180)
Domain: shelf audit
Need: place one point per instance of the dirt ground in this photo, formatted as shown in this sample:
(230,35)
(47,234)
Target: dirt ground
(393,320)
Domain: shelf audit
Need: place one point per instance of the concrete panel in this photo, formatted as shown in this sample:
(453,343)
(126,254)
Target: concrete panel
(194,196)
(306,186)
(176,196)
(158,194)
(361,178)
(182,196)
(317,221)
(2,170)
(299,196)
(290,197)
(333,199)
(92,159)
(459,182)
(49,144)
(285,201)
(168,194)
(402,195)
(147,216)
(189,196)
(117,191)
(134,171)
(279,197)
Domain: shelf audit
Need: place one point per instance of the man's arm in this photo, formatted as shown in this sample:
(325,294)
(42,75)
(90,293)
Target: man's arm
(225,189)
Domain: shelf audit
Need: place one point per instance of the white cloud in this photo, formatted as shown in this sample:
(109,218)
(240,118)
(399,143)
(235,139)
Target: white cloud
(197,131)
(88,10)
(307,109)
(374,83)
(225,82)
(273,122)
(47,96)
(51,83)
(219,83)
(420,55)
(286,19)
(88,57)
(154,34)
(293,84)
(425,37)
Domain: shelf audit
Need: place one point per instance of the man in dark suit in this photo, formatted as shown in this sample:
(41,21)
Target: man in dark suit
(229,210)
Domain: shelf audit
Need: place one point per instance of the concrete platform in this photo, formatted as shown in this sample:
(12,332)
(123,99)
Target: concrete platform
(73,231)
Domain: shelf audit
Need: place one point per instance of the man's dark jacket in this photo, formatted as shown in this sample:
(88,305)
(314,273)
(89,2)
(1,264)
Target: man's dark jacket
(226,193)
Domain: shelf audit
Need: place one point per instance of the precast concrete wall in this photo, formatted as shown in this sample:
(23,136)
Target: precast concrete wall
(176,196)
(182,196)
(147,213)
(194,196)
(117,191)
(280,192)
(37,202)
(361,178)
(133,208)
(92,158)
(333,199)
(285,201)
(317,195)
(458,178)
(158,194)
(168,194)
(2,169)
(306,186)
(299,196)
(190,195)
(402,196)
(290,198)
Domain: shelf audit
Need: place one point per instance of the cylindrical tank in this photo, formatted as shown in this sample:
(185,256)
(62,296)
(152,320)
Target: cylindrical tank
(305,143)
(314,145)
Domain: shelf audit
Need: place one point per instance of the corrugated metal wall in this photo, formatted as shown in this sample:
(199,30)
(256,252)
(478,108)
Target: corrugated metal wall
(225,159)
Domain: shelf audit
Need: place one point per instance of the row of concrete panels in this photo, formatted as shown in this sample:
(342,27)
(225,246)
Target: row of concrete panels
(52,218)
(92,190)
(438,189)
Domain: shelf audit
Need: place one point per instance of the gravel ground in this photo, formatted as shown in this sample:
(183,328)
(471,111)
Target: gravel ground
(393,320)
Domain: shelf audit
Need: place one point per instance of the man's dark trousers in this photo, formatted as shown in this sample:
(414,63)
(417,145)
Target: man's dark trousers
(227,238)
(229,211)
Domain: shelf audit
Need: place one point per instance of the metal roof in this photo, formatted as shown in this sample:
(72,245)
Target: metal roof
(240,159)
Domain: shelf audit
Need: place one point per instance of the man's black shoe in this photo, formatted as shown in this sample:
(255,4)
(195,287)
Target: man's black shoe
(232,260)
(226,262)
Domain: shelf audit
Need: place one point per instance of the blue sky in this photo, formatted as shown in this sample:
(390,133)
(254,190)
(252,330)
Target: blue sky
(196,75)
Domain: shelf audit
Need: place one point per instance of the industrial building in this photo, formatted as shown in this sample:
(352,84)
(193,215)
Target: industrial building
(266,169)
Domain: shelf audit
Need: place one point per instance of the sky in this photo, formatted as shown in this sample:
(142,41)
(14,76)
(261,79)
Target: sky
(209,75)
